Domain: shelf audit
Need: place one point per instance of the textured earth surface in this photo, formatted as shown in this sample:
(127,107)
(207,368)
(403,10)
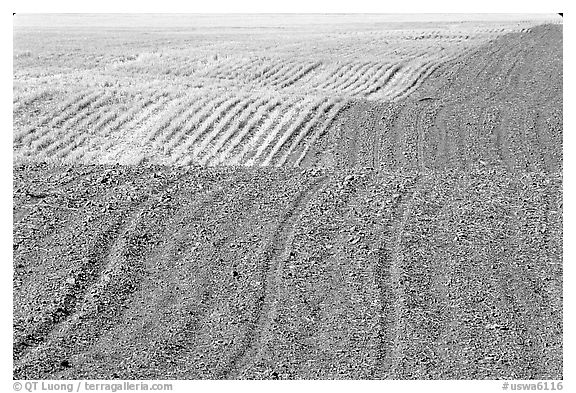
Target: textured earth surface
(420,239)
(195,273)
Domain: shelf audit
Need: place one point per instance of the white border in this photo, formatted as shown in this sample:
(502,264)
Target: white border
(290,6)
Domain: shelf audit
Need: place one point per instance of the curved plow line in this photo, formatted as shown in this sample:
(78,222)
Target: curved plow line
(268,129)
(105,128)
(174,108)
(358,74)
(169,117)
(261,125)
(138,143)
(171,137)
(271,135)
(65,111)
(367,73)
(303,106)
(114,146)
(333,75)
(316,77)
(405,81)
(209,129)
(347,77)
(371,80)
(249,113)
(421,77)
(303,118)
(389,72)
(305,130)
(77,139)
(199,129)
(161,119)
(249,66)
(331,116)
(29,98)
(398,82)
(111,122)
(252,71)
(273,68)
(288,72)
(229,151)
(128,122)
(72,145)
(77,130)
(237,70)
(132,116)
(131,140)
(388,79)
(51,137)
(233,68)
(275,256)
(304,81)
(339,76)
(307,70)
(328,75)
(221,126)
(200,111)
(220,69)
(285,73)
(71,153)
(259,69)
(281,70)
(105,121)
(154,105)
(187,107)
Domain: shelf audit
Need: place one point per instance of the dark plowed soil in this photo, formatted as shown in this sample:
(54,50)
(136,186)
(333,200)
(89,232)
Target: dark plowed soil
(500,106)
(424,240)
(124,272)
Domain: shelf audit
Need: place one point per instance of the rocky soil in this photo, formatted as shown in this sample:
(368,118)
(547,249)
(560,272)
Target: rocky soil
(156,272)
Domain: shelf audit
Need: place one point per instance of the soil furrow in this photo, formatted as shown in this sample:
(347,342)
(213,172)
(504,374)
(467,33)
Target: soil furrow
(276,255)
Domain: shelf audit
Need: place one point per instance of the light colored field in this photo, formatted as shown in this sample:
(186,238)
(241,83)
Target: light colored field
(253,91)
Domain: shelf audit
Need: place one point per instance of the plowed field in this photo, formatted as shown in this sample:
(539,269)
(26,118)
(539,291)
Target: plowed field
(368,203)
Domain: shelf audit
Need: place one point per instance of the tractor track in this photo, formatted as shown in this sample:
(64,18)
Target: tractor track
(276,255)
